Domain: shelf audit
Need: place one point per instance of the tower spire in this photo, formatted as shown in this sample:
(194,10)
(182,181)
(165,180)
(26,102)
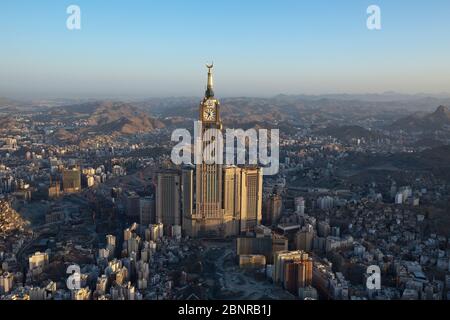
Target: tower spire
(209,88)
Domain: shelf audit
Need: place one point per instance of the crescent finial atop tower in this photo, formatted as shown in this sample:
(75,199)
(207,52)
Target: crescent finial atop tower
(209,88)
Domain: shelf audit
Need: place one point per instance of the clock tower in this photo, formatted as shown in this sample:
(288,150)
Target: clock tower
(207,220)
(228,199)
(209,108)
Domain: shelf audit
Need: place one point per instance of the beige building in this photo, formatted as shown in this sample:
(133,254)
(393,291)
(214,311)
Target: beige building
(232,199)
(37,262)
(6,282)
(282,258)
(251,198)
(252,261)
(228,199)
(208,218)
(81,294)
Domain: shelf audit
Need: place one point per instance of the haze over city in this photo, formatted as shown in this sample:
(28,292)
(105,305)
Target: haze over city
(255,153)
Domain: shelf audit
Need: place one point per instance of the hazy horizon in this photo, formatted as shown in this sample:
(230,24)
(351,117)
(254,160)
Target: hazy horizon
(133,98)
(138,49)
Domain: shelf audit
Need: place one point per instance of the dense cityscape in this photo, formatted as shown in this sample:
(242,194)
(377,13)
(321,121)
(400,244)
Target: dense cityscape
(218,159)
(91,184)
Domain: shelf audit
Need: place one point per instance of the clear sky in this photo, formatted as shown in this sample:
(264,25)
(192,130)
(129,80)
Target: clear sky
(145,48)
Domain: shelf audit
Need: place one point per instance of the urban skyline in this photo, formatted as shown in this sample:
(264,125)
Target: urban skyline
(105,194)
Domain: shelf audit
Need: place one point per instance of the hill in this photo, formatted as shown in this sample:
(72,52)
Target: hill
(107,117)
(438,120)
(110,117)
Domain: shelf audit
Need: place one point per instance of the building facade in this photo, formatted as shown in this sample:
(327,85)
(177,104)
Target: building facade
(228,199)
(168,211)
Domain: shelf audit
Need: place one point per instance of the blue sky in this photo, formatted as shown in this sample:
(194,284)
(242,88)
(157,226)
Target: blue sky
(158,48)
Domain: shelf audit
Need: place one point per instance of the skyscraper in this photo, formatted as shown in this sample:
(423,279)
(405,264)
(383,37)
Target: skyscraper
(187,191)
(207,219)
(292,269)
(273,210)
(168,199)
(251,198)
(228,199)
(232,199)
(304,238)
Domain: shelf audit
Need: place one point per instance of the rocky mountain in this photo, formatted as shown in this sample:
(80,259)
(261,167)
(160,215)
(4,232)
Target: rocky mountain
(433,162)
(110,117)
(63,135)
(438,120)
(107,117)
(294,111)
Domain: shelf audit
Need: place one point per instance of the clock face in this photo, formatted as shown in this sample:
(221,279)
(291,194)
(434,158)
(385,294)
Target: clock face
(209,114)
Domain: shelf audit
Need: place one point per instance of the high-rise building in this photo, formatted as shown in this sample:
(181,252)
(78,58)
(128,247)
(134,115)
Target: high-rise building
(304,238)
(37,262)
(252,261)
(207,220)
(168,189)
(279,243)
(299,205)
(72,180)
(187,195)
(323,229)
(232,200)
(228,199)
(293,270)
(147,214)
(274,207)
(325,203)
(251,198)
(264,245)
(154,232)
(6,282)
(54,190)
(110,241)
(254,246)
